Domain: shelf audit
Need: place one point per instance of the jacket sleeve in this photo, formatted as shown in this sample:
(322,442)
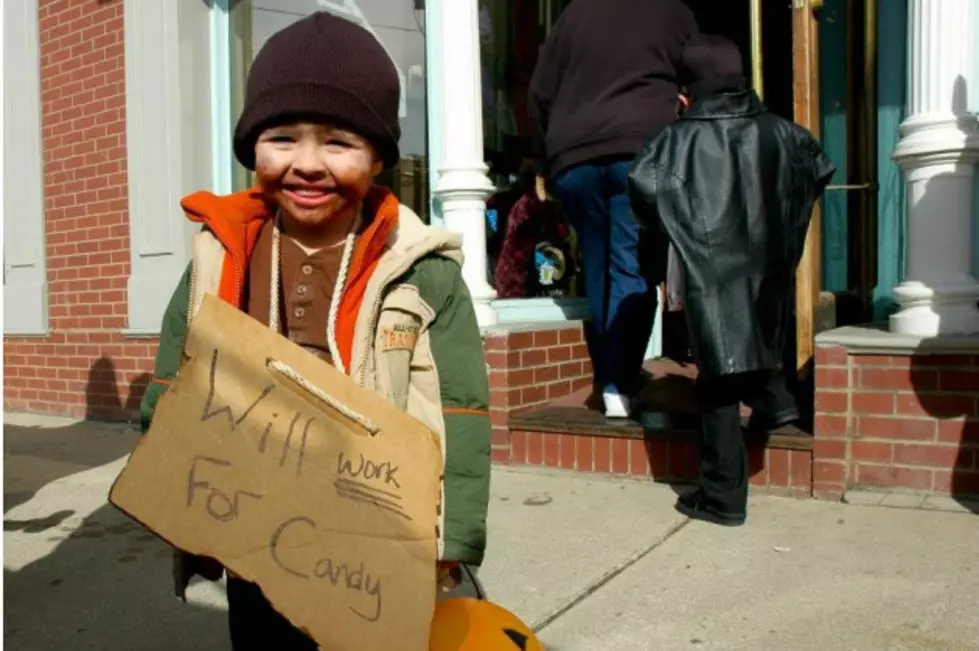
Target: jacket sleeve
(173,333)
(822,168)
(642,188)
(457,352)
(544,85)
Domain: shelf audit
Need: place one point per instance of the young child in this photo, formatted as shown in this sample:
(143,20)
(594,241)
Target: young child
(733,186)
(336,264)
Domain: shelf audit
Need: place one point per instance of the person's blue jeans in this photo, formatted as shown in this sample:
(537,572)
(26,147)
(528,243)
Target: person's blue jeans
(620,265)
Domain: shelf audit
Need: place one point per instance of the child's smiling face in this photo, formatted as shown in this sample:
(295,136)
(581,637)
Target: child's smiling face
(316,173)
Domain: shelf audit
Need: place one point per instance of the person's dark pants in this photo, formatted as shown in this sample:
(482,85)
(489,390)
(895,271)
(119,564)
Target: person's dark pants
(724,471)
(256,626)
(617,260)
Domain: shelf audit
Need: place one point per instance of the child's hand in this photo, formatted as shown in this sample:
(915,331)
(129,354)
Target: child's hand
(208,568)
(540,188)
(449,575)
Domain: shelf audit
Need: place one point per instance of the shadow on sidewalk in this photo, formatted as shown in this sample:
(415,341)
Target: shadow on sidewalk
(33,457)
(78,574)
(106,585)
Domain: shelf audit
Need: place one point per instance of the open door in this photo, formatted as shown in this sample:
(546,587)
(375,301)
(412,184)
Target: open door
(779,44)
(805,75)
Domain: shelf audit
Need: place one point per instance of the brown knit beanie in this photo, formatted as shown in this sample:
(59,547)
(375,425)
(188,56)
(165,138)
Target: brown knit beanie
(322,67)
(711,64)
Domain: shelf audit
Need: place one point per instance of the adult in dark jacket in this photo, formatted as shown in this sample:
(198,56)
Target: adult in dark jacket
(605,80)
(733,187)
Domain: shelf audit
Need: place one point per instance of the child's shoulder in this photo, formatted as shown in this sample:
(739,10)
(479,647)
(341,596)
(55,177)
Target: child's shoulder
(433,273)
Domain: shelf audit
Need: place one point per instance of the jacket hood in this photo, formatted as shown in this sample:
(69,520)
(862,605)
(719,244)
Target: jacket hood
(412,240)
(237,219)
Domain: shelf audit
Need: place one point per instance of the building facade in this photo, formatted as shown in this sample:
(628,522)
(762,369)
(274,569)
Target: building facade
(124,106)
(114,109)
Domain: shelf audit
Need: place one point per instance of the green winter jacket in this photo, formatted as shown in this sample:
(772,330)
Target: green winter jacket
(416,287)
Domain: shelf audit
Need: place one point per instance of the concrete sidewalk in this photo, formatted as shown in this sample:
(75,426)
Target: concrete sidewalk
(596,564)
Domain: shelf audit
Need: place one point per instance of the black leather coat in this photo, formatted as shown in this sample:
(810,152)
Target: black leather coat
(733,187)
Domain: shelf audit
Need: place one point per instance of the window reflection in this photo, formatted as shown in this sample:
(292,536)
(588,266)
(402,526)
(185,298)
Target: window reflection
(532,250)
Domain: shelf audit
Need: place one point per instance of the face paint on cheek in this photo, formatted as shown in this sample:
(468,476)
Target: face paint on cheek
(265,163)
(347,184)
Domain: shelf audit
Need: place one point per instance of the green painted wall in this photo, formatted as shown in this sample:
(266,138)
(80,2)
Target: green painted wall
(833,130)
(892,55)
(891,90)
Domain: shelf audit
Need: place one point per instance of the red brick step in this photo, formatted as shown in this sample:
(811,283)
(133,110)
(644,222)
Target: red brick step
(661,446)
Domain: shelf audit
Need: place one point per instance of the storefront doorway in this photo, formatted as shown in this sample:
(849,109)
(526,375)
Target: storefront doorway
(734,19)
(778,41)
(512,31)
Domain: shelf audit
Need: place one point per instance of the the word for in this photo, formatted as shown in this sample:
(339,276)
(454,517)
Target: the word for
(219,505)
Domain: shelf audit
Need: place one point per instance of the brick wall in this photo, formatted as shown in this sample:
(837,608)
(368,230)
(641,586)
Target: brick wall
(532,368)
(667,459)
(896,422)
(85,366)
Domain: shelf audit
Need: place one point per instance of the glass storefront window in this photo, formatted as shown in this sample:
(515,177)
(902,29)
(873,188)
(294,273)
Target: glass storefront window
(511,33)
(400,29)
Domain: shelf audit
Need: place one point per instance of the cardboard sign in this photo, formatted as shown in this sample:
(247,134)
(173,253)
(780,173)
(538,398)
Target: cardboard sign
(295,478)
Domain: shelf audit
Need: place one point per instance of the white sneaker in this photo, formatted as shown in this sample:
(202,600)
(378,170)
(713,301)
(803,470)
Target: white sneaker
(617,405)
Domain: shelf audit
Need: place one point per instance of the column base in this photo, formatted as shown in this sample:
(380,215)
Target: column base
(463,191)
(927,311)
(485,314)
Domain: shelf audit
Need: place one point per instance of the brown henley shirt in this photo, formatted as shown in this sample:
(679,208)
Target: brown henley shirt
(307,281)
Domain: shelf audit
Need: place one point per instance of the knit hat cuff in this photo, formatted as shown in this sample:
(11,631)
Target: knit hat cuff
(312,99)
(716,85)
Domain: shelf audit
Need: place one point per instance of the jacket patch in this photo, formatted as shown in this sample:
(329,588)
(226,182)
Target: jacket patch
(401,336)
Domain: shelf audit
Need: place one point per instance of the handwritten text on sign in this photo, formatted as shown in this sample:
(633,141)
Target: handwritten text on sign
(336,526)
(224,505)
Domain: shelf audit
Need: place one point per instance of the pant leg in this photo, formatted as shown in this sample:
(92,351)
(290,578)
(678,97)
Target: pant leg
(774,405)
(633,261)
(579,190)
(256,626)
(723,455)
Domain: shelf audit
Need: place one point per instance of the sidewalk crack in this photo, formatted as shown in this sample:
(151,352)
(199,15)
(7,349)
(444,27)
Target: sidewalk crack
(597,585)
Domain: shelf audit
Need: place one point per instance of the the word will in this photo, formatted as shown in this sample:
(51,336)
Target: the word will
(211,411)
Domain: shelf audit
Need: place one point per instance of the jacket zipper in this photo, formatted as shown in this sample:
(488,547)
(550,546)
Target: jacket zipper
(193,289)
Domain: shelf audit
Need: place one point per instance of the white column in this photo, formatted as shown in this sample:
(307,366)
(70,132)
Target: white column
(938,150)
(463,186)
